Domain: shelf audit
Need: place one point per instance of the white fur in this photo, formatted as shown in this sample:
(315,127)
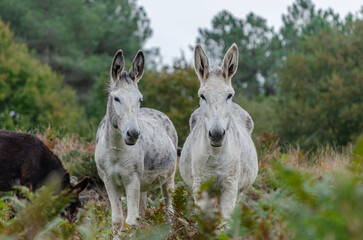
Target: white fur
(233,165)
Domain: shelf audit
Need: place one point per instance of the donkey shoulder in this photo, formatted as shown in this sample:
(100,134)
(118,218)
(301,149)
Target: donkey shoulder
(242,117)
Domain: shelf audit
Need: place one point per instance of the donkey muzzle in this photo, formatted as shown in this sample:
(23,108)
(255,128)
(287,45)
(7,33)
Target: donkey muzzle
(216,136)
(132,136)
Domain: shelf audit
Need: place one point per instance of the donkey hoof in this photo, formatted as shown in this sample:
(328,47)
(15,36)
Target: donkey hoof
(132,223)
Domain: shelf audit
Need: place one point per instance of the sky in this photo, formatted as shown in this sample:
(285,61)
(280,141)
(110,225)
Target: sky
(175,23)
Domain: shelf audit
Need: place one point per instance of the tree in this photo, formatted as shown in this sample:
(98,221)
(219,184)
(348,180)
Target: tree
(76,37)
(304,20)
(30,92)
(321,88)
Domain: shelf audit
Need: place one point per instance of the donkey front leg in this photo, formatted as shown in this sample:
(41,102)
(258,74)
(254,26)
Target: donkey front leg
(167,190)
(201,199)
(229,197)
(143,204)
(114,196)
(133,200)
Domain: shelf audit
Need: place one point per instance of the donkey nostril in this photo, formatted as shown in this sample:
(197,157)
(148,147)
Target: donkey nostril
(128,134)
(224,132)
(210,135)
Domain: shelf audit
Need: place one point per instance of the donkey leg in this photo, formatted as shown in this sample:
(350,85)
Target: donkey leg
(133,200)
(167,190)
(199,199)
(114,196)
(143,204)
(228,198)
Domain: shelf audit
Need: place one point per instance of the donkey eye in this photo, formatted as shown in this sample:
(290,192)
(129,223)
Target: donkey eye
(202,97)
(116,99)
(229,96)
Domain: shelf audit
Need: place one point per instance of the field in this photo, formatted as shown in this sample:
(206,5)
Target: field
(299,194)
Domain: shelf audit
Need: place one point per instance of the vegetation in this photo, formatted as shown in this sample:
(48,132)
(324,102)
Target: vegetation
(75,37)
(302,82)
(321,88)
(31,94)
(296,195)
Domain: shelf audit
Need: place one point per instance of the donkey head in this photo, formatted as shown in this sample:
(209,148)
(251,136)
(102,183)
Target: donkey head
(124,97)
(216,92)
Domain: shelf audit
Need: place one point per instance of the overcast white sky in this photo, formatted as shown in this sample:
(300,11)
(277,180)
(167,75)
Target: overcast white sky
(175,23)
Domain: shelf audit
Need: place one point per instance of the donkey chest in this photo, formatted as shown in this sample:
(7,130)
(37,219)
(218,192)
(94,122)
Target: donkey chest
(115,162)
(217,165)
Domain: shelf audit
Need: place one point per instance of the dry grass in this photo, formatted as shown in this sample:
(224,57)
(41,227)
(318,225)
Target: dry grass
(60,146)
(324,160)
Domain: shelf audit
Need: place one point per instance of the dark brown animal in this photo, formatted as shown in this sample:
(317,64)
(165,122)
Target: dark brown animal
(25,160)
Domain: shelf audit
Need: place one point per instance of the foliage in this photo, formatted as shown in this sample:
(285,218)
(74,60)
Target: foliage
(76,37)
(321,89)
(322,208)
(37,215)
(262,110)
(97,99)
(31,95)
(304,20)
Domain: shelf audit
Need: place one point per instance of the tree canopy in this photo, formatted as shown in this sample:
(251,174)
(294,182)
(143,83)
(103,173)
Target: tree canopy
(76,37)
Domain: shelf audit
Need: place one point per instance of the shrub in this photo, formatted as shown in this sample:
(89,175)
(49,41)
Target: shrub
(31,95)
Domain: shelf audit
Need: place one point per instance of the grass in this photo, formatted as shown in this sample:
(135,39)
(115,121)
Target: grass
(298,194)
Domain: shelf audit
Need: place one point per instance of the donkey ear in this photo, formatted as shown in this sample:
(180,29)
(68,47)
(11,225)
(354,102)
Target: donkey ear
(137,68)
(117,65)
(201,63)
(230,62)
(81,185)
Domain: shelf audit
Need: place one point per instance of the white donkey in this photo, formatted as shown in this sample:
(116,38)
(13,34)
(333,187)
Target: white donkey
(136,148)
(219,146)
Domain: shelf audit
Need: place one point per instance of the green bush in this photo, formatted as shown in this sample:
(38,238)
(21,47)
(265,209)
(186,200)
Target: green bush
(262,110)
(320,98)
(31,95)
